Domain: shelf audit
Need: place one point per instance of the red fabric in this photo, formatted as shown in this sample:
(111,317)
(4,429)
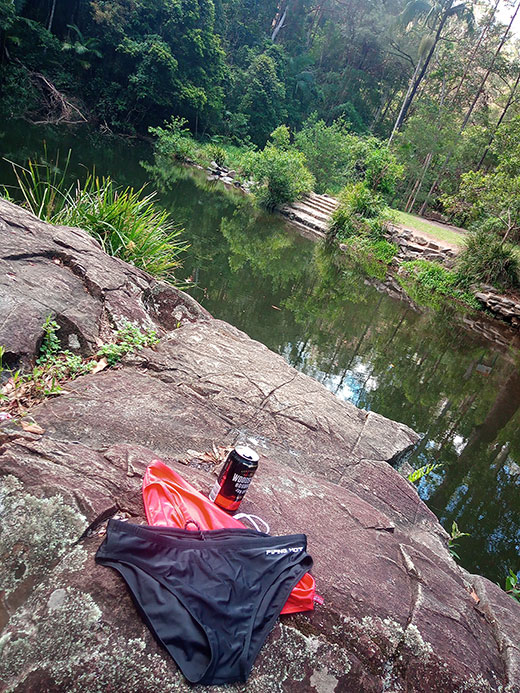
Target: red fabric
(170,501)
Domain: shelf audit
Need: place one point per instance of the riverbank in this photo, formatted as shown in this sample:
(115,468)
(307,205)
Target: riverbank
(312,216)
(397,609)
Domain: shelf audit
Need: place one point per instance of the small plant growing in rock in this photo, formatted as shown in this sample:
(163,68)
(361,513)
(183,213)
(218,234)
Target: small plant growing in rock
(452,544)
(128,338)
(218,154)
(512,585)
(59,363)
(55,365)
(50,343)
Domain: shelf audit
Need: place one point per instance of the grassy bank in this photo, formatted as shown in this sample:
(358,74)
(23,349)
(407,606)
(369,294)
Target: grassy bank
(127,222)
(423,226)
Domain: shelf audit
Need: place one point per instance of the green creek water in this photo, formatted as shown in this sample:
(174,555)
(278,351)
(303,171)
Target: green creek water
(459,391)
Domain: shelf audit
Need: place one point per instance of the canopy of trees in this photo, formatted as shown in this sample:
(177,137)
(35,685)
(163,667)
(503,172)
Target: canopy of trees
(437,79)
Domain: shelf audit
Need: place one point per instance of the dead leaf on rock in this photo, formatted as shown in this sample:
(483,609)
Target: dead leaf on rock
(8,387)
(194,453)
(99,365)
(474,596)
(32,427)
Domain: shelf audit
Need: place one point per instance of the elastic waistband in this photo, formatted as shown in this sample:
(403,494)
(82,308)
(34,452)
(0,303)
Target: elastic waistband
(172,536)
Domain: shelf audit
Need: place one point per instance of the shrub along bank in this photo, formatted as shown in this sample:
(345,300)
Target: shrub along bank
(126,222)
(319,157)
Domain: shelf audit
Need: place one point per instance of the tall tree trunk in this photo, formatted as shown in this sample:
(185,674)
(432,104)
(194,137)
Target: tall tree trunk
(51,18)
(279,22)
(452,101)
(411,202)
(474,51)
(313,29)
(387,107)
(400,116)
(416,80)
(470,109)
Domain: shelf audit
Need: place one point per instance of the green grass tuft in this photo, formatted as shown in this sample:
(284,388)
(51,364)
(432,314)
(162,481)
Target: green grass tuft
(127,222)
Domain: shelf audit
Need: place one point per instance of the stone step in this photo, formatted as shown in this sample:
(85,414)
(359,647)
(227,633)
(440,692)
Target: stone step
(310,211)
(323,208)
(307,220)
(323,203)
(325,198)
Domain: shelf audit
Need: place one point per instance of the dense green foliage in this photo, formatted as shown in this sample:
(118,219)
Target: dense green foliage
(487,259)
(174,140)
(417,99)
(241,68)
(490,200)
(371,256)
(279,172)
(336,156)
(431,284)
(327,151)
(361,212)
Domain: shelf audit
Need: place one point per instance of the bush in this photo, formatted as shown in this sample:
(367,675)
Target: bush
(281,137)
(380,166)
(327,151)
(486,259)
(217,154)
(174,140)
(336,157)
(128,225)
(19,95)
(280,175)
(429,283)
(361,212)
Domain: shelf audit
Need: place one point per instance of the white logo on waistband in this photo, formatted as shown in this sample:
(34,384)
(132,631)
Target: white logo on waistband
(291,549)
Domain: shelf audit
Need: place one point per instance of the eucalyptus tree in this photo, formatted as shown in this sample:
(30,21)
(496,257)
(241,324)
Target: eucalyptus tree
(432,18)
(471,108)
(456,71)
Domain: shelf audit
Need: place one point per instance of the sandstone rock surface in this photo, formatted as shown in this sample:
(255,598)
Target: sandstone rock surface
(398,613)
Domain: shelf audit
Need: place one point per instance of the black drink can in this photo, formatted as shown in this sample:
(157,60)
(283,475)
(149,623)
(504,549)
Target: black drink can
(234,478)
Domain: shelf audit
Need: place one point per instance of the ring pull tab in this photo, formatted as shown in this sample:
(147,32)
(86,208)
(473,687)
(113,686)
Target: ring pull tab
(193,522)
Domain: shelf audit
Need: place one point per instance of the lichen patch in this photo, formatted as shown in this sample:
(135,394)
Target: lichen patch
(35,533)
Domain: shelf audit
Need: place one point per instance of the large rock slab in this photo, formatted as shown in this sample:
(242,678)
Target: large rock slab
(61,271)
(398,613)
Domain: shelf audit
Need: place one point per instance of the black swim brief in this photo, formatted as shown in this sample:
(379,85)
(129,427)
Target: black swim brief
(210,597)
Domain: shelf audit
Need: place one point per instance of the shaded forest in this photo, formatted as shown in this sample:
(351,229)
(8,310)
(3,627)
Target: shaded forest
(435,78)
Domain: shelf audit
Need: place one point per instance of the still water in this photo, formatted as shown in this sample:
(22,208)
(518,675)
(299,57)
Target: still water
(424,369)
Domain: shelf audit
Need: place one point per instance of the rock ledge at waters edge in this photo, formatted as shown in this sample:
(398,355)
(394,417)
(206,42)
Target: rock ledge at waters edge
(399,614)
